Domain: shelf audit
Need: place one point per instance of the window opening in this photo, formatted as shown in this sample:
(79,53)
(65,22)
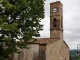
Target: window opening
(54,22)
(61,23)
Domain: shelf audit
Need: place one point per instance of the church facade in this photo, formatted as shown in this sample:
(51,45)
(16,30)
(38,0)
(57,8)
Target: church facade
(53,48)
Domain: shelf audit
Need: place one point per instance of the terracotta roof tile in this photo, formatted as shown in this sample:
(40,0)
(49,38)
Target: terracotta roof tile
(45,40)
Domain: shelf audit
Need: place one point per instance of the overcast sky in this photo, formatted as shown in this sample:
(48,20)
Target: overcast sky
(71,21)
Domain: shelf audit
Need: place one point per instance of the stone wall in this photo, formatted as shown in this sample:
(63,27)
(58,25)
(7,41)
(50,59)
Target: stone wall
(65,50)
(57,51)
(53,51)
(42,52)
(27,54)
(34,51)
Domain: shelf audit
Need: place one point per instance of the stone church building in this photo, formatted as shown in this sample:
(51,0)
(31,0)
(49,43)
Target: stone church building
(53,48)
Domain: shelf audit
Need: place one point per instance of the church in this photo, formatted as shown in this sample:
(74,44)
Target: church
(53,48)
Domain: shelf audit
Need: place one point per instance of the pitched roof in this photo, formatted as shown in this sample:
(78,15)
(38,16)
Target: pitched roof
(45,40)
(65,43)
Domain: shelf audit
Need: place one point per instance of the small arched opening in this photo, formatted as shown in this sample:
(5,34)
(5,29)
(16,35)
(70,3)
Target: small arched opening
(61,23)
(54,22)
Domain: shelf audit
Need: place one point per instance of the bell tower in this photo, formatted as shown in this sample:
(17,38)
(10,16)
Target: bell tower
(56,20)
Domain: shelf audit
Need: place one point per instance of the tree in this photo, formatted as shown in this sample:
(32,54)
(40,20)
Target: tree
(19,20)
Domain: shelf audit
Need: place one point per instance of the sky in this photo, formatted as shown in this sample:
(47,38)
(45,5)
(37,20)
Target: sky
(71,22)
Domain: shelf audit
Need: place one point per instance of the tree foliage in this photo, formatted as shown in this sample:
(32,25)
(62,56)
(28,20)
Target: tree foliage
(73,55)
(19,19)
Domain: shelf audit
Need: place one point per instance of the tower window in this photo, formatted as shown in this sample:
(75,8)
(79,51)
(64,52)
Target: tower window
(54,22)
(61,23)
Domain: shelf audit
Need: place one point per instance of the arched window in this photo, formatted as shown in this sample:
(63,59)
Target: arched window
(54,22)
(61,23)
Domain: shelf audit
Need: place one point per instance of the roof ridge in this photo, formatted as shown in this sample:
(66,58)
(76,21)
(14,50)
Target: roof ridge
(46,40)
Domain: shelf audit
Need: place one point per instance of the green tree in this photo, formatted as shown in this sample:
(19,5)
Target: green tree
(19,20)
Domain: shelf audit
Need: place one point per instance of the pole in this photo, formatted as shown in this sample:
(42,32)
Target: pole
(77,50)
(78,46)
